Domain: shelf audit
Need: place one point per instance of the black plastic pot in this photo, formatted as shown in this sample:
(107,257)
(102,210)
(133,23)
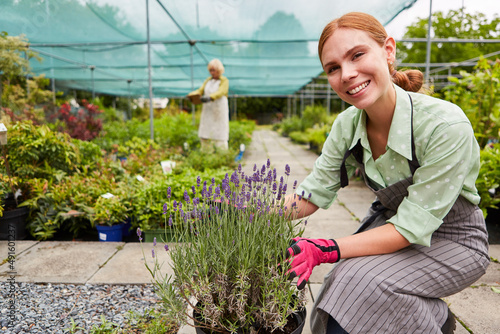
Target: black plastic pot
(13,224)
(300,318)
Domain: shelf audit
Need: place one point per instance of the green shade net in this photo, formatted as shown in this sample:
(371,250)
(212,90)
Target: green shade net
(268,48)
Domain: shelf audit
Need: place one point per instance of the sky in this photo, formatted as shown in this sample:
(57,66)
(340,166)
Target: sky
(421,10)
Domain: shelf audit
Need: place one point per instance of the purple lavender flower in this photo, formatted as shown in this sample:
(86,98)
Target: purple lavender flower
(287,170)
(263,170)
(239,168)
(294,184)
(305,222)
(153,252)
(254,167)
(198,181)
(170,221)
(169,192)
(193,188)
(196,201)
(281,212)
(186,196)
(166,248)
(268,163)
(165,208)
(213,180)
(268,223)
(139,233)
(174,205)
(154,242)
(275,174)
(251,217)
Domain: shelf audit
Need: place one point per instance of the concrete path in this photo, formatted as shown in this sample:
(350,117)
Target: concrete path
(477,307)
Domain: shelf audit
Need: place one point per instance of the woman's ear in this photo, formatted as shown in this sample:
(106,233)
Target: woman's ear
(390,49)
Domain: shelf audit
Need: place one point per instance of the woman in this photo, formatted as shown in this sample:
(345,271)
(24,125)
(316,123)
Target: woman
(424,237)
(214,122)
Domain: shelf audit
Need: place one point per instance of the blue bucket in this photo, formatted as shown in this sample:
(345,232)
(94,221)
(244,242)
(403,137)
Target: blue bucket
(110,233)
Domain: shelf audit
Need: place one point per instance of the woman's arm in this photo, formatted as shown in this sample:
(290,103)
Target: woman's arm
(380,240)
(302,208)
(223,89)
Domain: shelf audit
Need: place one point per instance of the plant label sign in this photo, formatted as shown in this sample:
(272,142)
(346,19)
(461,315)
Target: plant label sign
(167,166)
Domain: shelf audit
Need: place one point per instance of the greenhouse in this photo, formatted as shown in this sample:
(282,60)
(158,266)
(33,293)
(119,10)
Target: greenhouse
(189,166)
(115,47)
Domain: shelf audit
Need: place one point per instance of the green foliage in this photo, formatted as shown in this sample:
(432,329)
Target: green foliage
(12,56)
(478,94)
(37,152)
(489,177)
(106,327)
(454,24)
(149,199)
(109,211)
(201,161)
(312,115)
(151,322)
(299,137)
(240,132)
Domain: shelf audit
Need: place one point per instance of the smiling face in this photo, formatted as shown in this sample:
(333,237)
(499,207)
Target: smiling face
(357,68)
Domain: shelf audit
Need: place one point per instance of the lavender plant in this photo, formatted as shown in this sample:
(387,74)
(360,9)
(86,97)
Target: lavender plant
(231,269)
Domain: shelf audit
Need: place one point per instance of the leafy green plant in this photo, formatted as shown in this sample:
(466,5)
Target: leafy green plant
(109,211)
(74,328)
(488,181)
(37,152)
(150,322)
(237,290)
(106,327)
(478,94)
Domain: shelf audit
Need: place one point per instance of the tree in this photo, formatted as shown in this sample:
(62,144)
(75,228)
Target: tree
(456,24)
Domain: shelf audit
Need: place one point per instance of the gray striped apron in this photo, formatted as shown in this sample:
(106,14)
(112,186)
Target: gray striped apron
(400,292)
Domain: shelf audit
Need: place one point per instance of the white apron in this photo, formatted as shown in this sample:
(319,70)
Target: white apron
(214,122)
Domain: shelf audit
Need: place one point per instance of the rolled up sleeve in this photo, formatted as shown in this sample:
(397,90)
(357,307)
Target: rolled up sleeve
(414,223)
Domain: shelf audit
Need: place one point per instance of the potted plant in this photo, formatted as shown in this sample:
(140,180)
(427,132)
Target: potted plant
(13,213)
(109,215)
(231,270)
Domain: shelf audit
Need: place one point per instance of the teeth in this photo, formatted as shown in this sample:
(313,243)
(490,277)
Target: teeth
(357,89)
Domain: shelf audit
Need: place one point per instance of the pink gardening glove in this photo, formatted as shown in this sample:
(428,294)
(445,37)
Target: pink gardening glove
(305,254)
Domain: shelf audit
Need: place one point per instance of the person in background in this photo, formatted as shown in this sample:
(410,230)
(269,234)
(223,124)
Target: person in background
(214,122)
(424,237)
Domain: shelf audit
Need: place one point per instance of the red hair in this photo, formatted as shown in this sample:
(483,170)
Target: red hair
(410,80)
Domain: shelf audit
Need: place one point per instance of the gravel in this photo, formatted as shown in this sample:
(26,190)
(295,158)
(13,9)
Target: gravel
(49,308)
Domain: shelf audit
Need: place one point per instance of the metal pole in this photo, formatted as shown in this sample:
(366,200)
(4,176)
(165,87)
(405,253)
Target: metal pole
(191,43)
(151,129)
(428,54)
(92,68)
(129,104)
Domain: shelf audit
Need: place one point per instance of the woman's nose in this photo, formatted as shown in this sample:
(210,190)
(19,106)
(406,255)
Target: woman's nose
(348,72)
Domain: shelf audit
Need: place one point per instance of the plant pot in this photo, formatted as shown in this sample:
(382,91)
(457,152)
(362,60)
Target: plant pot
(13,224)
(160,234)
(298,318)
(110,233)
(126,226)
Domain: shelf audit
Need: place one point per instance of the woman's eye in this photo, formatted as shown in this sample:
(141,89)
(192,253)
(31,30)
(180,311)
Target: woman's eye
(333,69)
(357,55)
